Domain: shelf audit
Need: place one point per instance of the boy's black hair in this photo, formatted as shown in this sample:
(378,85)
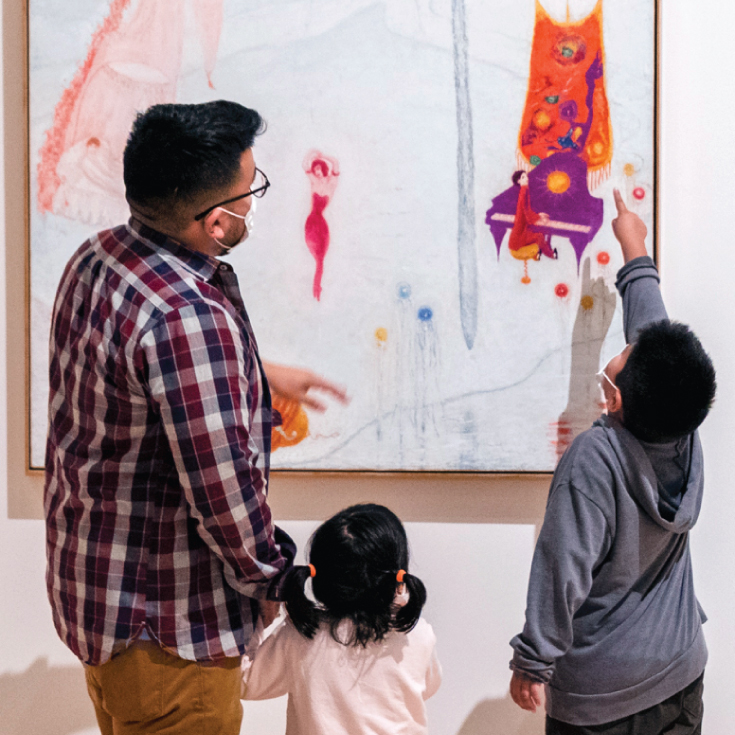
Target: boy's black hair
(179,152)
(667,383)
(356,554)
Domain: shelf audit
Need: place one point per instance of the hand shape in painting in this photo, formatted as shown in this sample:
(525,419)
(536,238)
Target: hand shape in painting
(296,384)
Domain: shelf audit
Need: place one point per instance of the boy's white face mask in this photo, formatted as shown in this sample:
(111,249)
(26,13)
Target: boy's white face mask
(602,378)
(247,218)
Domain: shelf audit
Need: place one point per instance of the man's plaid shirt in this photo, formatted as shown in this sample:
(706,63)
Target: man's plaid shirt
(158,453)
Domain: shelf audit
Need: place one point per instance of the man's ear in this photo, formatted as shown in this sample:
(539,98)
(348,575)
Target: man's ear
(213,225)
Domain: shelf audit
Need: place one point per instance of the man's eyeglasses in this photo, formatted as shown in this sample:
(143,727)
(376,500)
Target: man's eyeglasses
(257,189)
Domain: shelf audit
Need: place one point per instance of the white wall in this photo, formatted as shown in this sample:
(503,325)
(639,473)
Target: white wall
(476,564)
(698,189)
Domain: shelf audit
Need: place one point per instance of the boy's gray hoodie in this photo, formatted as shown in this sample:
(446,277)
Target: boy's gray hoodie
(612,622)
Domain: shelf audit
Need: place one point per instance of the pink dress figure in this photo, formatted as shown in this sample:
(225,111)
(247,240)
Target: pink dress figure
(322,172)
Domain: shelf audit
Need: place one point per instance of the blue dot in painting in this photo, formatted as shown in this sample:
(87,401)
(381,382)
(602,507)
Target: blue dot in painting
(425,314)
(404,290)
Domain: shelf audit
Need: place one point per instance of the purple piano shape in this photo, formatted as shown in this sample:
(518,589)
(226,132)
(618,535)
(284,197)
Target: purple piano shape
(574,213)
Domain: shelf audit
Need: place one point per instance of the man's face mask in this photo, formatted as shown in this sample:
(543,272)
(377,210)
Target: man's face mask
(247,218)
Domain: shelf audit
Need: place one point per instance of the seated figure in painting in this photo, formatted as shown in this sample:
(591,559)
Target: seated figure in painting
(613,628)
(526,243)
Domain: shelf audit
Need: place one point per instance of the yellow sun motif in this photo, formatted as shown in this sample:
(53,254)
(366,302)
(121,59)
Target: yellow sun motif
(557,182)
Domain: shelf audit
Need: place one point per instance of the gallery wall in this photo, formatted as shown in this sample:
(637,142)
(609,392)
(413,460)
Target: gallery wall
(472,538)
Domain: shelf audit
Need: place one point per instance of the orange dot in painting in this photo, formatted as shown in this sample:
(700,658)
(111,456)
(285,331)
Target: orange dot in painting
(561,290)
(295,426)
(587,302)
(542,120)
(557,182)
(598,148)
(381,335)
(526,279)
(629,169)
(639,193)
(603,258)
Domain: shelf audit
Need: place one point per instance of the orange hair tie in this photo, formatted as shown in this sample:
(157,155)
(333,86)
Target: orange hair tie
(401,574)
(312,570)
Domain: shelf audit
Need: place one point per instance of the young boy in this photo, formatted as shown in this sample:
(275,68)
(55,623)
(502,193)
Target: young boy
(613,628)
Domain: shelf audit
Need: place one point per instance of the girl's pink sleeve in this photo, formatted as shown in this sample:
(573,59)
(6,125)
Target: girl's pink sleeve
(433,672)
(265,675)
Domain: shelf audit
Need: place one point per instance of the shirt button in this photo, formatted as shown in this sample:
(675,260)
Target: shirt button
(223,267)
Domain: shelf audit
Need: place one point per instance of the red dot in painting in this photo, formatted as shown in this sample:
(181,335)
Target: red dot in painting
(561,290)
(603,258)
(639,193)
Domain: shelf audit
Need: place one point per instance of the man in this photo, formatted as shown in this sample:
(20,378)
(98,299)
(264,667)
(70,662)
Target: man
(159,537)
(613,627)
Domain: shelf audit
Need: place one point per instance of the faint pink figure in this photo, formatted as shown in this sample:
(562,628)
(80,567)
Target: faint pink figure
(133,62)
(322,172)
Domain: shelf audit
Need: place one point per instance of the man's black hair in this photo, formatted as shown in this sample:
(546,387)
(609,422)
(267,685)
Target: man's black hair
(667,384)
(176,153)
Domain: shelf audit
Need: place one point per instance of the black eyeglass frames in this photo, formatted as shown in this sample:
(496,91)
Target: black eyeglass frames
(260,185)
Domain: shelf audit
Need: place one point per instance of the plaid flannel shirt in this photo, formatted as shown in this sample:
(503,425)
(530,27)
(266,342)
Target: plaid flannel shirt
(158,453)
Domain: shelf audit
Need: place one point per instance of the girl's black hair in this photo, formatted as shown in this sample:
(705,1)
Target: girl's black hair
(356,554)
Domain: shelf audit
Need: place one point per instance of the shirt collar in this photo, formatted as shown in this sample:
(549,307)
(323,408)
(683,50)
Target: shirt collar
(198,264)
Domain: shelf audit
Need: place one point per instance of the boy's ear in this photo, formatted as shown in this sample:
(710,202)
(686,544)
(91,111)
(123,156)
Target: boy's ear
(615,402)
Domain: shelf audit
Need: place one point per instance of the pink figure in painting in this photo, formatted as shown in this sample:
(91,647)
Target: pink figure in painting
(133,62)
(322,172)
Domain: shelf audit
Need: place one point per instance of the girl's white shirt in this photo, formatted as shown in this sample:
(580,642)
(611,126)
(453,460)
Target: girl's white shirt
(347,690)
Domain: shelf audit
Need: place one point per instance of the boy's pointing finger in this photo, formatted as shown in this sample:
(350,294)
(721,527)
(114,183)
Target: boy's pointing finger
(619,201)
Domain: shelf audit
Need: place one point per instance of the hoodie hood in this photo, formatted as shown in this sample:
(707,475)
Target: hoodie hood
(641,479)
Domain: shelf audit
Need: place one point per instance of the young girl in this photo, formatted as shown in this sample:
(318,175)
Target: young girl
(362,659)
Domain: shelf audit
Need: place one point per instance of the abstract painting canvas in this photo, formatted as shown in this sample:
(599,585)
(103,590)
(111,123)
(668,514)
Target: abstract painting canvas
(437,234)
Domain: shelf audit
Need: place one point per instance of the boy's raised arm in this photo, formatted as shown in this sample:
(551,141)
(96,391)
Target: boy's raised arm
(630,230)
(638,279)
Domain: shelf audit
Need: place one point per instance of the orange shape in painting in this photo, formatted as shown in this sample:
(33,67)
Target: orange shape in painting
(381,335)
(629,169)
(295,426)
(587,302)
(542,120)
(557,111)
(558,182)
(603,258)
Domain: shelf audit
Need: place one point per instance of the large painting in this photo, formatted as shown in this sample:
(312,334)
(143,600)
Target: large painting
(437,233)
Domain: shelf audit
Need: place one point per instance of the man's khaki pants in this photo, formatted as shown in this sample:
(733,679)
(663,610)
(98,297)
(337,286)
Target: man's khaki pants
(147,690)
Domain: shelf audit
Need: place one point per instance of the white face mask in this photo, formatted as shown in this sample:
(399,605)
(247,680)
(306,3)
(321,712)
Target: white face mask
(602,377)
(247,218)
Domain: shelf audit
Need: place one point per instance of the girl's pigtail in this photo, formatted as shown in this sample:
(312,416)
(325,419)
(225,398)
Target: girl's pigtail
(304,614)
(408,615)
